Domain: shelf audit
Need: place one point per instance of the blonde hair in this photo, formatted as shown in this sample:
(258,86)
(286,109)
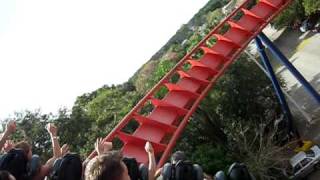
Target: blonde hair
(107,167)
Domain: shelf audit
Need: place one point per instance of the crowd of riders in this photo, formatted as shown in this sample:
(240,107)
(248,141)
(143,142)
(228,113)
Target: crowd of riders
(17,162)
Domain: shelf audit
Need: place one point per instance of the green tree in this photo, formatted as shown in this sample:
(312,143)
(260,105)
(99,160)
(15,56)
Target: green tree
(243,97)
(214,17)
(311,6)
(295,12)
(211,157)
(31,128)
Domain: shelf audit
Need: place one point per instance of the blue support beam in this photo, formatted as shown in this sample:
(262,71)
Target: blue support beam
(276,85)
(280,57)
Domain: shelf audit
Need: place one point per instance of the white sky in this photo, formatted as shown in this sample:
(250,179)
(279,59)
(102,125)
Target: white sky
(52,51)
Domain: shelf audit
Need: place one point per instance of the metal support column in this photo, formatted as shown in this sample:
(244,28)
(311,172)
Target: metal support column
(289,97)
(276,86)
(280,57)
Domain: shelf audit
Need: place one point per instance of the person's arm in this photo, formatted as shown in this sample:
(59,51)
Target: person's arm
(10,128)
(101,147)
(57,152)
(50,162)
(98,146)
(43,172)
(47,167)
(52,130)
(64,149)
(152,160)
(158,173)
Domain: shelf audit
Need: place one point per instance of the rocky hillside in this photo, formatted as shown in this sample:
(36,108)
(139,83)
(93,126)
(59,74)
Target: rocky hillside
(199,23)
(186,30)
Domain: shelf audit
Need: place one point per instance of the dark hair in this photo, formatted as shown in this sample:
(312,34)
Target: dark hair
(15,162)
(4,175)
(69,167)
(25,146)
(105,167)
(178,156)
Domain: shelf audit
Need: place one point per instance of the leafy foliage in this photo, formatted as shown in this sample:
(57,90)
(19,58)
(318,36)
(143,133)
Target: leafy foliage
(243,97)
(311,6)
(31,127)
(295,12)
(212,158)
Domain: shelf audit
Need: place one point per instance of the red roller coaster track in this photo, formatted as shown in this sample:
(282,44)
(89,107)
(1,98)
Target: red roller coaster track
(165,123)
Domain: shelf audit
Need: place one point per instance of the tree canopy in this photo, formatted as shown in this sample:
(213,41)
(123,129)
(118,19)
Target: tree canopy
(298,10)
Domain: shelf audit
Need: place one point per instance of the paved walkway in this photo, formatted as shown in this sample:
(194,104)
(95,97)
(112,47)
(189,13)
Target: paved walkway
(303,50)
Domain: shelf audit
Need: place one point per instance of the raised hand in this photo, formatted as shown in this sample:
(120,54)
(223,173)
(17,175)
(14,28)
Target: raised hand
(8,145)
(98,145)
(64,149)
(102,146)
(52,129)
(107,146)
(152,160)
(10,127)
(148,147)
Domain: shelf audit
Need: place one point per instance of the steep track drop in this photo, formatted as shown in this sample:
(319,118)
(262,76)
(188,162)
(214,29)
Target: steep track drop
(165,123)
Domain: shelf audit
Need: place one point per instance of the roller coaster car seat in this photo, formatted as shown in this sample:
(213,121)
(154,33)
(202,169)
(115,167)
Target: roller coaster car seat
(220,175)
(182,170)
(238,171)
(35,165)
(136,171)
